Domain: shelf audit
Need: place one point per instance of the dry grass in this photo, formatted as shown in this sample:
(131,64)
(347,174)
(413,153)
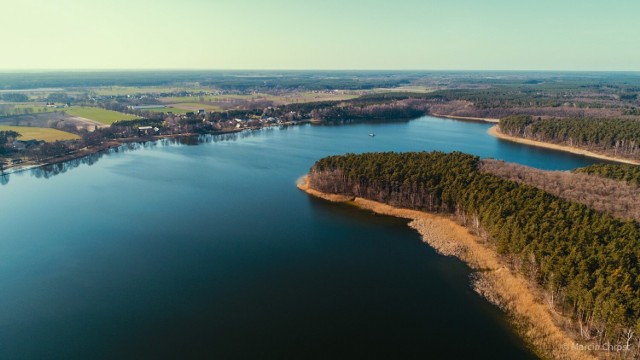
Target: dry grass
(303,184)
(617,198)
(510,291)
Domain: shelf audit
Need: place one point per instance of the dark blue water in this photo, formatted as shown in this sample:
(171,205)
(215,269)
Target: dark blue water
(209,251)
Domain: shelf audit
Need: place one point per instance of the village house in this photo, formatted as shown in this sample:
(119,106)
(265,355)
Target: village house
(147,130)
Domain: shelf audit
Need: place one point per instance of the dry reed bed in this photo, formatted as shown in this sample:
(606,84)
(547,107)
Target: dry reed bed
(493,279)
(617,198)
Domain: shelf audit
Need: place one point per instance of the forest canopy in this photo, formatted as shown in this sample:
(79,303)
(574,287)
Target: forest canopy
(618,137)
(624,172)
(587,260)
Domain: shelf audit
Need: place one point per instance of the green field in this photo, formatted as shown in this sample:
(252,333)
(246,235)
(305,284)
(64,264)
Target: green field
(37,133)
(103,116)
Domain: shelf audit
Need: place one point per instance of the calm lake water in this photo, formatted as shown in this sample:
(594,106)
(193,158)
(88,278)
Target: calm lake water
(174,251)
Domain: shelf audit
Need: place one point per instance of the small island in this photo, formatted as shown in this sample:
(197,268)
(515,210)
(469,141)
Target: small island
(545,257)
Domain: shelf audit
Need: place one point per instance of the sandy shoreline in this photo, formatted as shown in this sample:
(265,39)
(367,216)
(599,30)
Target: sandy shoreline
(494,281)
(494,131)
(488,120)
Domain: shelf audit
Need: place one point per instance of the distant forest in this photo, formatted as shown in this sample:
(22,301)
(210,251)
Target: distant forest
(586,260)
(386,106)
(616,137)
(235,80)
(624,172)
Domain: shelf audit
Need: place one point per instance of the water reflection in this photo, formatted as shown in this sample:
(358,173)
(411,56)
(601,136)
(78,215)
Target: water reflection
(424,134)
(47,171)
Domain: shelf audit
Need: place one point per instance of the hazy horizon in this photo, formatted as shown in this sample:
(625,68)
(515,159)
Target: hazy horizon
(513,71)
(459,35)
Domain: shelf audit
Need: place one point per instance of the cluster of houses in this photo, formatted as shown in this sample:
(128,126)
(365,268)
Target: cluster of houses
(202,117)
(251,122)
(54,106)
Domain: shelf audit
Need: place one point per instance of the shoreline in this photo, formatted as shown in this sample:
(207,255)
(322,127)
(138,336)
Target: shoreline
(110,144)
(492,279)
(495,132)
(470,118)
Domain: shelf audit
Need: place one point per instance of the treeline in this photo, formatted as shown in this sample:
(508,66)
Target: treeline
(235,80)
(304,83)
(468,109)
(548,92)
(14,97)
(611,136)
(586,260)
(615,197)
(138,122)
(624,172)
(6,137)
(403,109)
(379,106)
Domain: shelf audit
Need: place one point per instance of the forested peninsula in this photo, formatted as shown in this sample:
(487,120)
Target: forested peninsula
(584,261)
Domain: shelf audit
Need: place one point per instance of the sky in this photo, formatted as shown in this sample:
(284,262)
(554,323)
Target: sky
(328,34)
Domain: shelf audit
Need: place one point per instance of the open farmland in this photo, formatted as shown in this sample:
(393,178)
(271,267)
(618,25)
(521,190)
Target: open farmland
(10,109)
(102,116)
(307,96)
(193,106)
(167,109)
(236,101)
(134,90)
(56,119)
(37,133)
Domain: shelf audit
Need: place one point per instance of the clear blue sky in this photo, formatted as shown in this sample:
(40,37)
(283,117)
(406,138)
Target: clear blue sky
(328,34)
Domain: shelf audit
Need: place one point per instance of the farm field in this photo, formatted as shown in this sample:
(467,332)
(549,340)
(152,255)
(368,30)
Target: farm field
(9,109)
(413,89)
(103,116)
(133,90)
(168,108)
(193,106)
(183,108)
(227,101)
(37,133)
(278,99)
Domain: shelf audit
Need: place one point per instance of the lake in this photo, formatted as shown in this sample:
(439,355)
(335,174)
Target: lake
(172,250)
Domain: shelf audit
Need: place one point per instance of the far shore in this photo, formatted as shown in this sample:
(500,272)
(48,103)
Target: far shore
(531,317)
(494,131)
(106,145)
(488,120)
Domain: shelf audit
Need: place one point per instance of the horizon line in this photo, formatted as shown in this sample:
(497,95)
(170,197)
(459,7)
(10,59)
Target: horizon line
(43,70)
